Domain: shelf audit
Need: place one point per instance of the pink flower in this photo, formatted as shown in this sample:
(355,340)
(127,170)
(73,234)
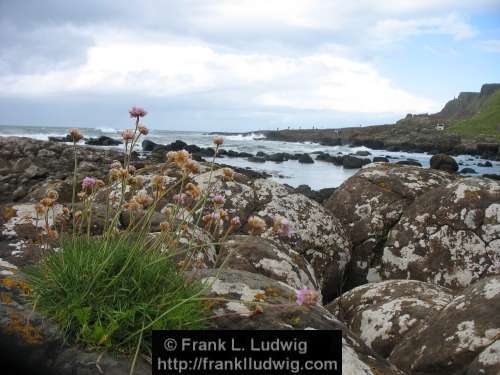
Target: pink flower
(281,227)
(235,221)
(127,135)
(137,112)
(88,183)
(218,140)
(219,199)
(143,129)
(306,296)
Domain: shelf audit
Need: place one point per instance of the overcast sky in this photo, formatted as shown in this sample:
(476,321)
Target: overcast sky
(238,64)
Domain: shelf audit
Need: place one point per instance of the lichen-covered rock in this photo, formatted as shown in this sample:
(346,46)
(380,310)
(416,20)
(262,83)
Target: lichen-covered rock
(236,295)
(449,236)
(317,235)
(31,343)
(370,203)
(444,162)
(456,335)
(385,313)
(487,362)
(258,255)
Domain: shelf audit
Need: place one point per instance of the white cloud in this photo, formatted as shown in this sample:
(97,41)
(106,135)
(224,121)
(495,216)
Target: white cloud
(492,45)
(391,30)
(323,80)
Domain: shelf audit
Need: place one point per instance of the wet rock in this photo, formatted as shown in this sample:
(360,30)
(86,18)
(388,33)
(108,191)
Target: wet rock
(380,159)
(409,162)
(492,176)
(319,196)
(103,141)
(256,159)
(444,162)
(486,164)
(353,162)
(449,236)
(370,203)
(384,314)
(66,138)
(468,171)
(363,153)
(148,145)
(456,335)
(306,159)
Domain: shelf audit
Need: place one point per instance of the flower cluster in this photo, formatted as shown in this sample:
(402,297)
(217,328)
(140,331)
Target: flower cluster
(281,227)
(136,112)
(306,296)
(256,225)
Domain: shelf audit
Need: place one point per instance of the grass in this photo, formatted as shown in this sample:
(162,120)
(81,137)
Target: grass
(484,123)
(111,293)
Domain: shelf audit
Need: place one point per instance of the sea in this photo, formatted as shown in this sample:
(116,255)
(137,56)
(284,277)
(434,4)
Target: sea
(318,175)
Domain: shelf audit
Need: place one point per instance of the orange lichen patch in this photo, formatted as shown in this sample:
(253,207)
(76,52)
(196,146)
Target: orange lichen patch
(15,284)
(19,325)
(272,292)
(260,297)
(472,194)
(8,213)
(5,298)
(210,303)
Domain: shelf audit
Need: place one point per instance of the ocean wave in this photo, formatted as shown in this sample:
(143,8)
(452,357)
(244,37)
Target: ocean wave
(107,130)
(245,137)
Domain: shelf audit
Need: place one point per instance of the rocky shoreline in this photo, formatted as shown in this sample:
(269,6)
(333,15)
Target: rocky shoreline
(406,260)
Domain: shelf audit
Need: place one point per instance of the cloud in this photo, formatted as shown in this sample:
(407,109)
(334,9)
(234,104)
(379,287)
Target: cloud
(392,30)
(324,80)
(492,45)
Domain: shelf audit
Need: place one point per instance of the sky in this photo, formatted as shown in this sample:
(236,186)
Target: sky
(239,65)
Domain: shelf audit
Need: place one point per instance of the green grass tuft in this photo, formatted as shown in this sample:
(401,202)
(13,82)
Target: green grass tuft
(111,294)
(484,123)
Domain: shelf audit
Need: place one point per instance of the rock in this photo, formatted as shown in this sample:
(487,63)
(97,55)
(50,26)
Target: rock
(380,159)
(256,159)
(32,344)
(318,235)
(258,255)
(456,335)
(409,162)
(103,141)
(486,164)
(236,294)
(487,148)
(34,171)
(492,176)
(487,362)
(370,203)
(468,171)
(319,196)
(449,236)
(306,159)
(353,162)
(383,314)
(66,138)
(444,162)
(363,153)
(148,145)
(19,193)
(44,153)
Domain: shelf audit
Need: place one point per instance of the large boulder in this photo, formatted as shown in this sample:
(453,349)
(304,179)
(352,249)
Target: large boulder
(444,162)
(103,141)
(353,162)
(370,203)
(456,335)
(487,362)
(315,234)
(258,255)
(243,300)
(383,314)
(449,236)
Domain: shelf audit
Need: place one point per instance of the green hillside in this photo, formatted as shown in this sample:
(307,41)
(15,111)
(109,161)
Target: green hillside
(486,122)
